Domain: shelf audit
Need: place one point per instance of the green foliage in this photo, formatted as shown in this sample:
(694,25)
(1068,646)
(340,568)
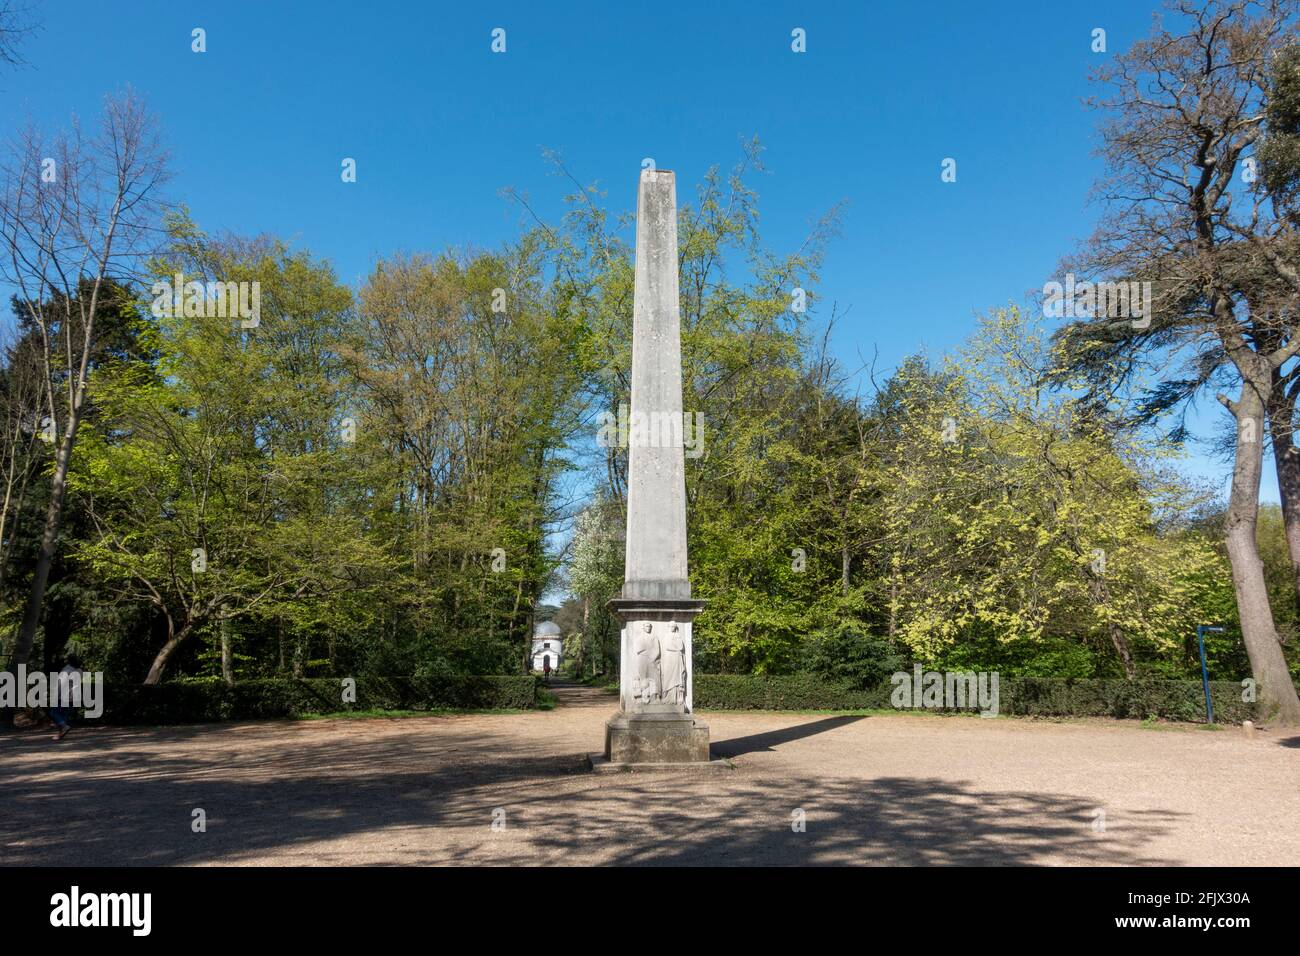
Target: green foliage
(831,534)
(844,654)
(1138,699)
(351,469)
(472,405)
(1014,514)
(196,701)
(1041,536)
(1018,696)
(596,574)
(227,444)
(1279,150)
(784,692)
(981,649)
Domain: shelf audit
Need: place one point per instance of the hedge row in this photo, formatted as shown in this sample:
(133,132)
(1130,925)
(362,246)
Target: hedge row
(1170,699)
(198,701)
(792,692)
(1020,696)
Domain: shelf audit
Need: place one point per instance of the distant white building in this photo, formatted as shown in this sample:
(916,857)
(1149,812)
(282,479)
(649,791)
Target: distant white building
(547,643)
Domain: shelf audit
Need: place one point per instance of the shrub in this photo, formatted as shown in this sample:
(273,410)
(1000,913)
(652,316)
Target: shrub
(789,692)
(1169,699)
(844,654)
(1020,696)
(198,701)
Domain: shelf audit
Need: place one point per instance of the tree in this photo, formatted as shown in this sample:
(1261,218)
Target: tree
(1185,108)
(595,572)
(1015,512)
(219,484)
(75,219)
(16,24)
(21,440)
(464,372)
(1278,185)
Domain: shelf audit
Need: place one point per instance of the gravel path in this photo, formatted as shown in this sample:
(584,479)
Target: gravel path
(905,789)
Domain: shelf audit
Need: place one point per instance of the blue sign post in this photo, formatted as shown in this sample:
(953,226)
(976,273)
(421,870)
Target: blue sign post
(1201,630)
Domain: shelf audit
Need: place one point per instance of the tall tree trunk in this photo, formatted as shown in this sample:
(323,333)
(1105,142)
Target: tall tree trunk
(1286,458)
(227,668)
(1100,592)
(893,604)
(1277,694)
(1120,643)
(585,638)
(49,538)
(174,640)
(11,510)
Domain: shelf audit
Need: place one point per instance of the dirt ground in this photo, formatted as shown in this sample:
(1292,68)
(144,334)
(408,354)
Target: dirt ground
(904,789)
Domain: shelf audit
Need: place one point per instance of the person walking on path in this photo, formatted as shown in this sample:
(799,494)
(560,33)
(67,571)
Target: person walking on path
(68,678)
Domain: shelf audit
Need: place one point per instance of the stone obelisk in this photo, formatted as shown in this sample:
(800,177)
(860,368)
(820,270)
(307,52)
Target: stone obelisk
(655,723)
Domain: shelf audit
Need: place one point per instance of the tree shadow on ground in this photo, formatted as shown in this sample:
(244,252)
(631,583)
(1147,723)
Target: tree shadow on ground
(276,790)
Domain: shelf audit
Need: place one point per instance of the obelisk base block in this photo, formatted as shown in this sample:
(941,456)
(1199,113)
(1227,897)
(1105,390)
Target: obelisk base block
(656,739)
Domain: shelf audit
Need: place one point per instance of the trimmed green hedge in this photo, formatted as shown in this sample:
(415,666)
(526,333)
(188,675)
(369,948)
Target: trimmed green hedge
(1019,696)
(182,702)
(791,692)
(1170,699)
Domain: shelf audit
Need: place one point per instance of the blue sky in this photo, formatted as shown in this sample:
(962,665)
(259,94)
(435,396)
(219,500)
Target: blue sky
(438,125)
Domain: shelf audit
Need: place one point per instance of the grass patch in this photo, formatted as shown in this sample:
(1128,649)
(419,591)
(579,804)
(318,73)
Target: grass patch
(1161,723)
(602,681)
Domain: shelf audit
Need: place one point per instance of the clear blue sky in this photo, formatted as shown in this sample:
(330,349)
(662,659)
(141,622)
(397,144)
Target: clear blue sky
(438,124)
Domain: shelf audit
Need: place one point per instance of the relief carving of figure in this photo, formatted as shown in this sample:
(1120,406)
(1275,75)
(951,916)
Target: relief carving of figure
(672,666)
(645,664)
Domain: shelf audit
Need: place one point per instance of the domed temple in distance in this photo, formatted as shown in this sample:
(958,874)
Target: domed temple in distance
(547,642)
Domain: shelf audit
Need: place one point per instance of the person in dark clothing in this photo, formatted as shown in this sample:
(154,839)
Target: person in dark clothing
(61,705)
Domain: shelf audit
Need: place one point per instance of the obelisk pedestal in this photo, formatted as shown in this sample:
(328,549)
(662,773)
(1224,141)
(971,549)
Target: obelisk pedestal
(655,725)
